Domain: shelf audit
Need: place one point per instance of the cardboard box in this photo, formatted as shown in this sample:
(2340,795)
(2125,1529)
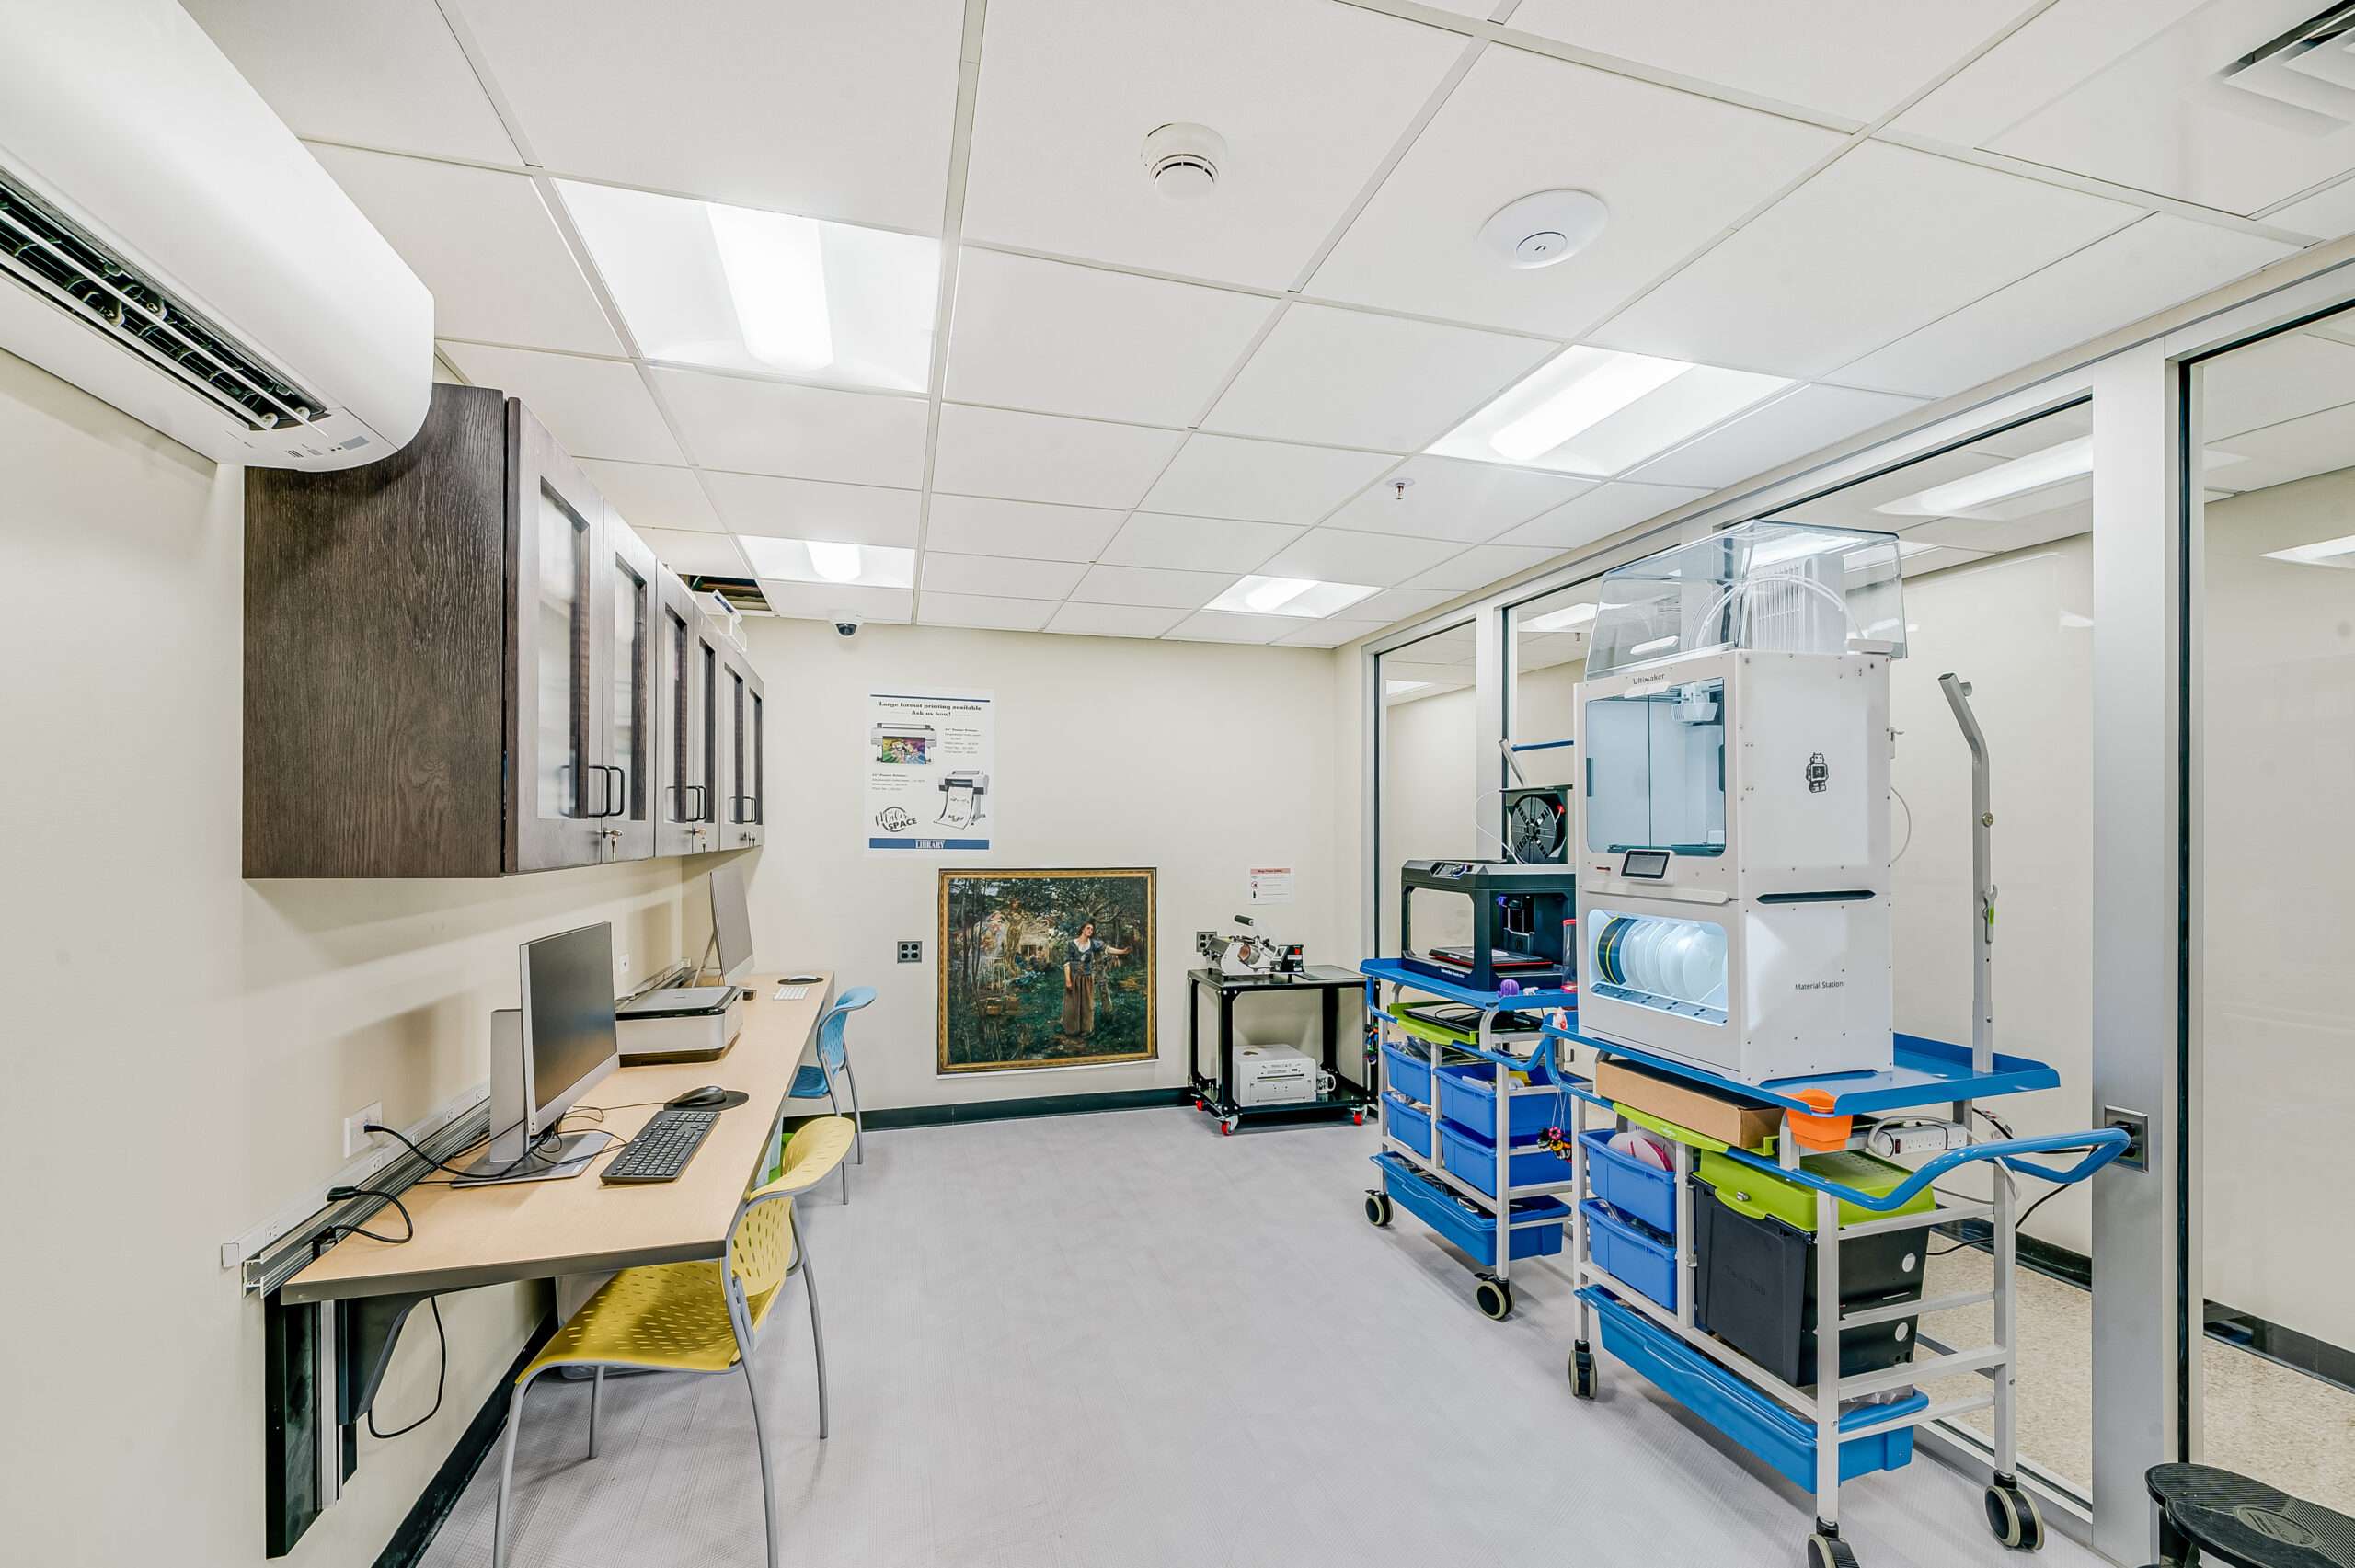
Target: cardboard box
(1742,1124)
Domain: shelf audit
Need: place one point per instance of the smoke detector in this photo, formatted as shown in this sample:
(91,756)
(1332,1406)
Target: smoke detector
(1548,226)
(1182,160)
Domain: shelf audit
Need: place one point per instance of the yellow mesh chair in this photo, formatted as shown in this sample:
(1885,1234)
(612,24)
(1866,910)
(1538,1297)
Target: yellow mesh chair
(699,1316)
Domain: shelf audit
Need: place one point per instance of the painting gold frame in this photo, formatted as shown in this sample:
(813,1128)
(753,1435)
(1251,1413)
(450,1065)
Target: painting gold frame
(1012,1002)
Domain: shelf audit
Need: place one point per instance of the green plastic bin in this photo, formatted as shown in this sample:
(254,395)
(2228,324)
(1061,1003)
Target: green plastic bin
(1747,1190)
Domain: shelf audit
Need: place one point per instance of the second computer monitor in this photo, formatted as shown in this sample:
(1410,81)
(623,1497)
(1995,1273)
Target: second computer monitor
(546,1054)
(732,922)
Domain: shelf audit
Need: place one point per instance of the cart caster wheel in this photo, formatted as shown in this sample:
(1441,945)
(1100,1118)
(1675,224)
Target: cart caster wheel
(2012,1518)
(1583,1373)
(1357,1118)
(1378,1208)
(1495,1297)
(1829,1551)
(1226,1127)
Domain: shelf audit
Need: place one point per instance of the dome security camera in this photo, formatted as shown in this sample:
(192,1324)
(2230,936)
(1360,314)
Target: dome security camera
(847,625)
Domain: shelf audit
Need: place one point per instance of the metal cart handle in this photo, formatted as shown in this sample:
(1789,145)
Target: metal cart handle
(2099,1147)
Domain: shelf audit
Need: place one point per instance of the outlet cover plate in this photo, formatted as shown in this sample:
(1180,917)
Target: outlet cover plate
(911,952)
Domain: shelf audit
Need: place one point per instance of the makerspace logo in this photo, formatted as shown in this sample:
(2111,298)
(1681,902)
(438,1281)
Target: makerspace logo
(895,820)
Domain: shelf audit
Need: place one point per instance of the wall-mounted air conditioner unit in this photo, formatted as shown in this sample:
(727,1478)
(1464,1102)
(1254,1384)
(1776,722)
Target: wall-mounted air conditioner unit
(168,246)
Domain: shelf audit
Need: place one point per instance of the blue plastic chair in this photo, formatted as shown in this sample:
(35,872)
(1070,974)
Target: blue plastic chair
(817,1083)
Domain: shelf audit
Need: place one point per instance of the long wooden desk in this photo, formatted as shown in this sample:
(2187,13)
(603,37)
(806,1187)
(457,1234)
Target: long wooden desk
(470,1236)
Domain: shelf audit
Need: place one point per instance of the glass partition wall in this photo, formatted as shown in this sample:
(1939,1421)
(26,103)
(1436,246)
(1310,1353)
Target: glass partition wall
(1427,777)
(2271,552)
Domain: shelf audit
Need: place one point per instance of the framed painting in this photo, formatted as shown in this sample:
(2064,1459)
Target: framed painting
(1045,968)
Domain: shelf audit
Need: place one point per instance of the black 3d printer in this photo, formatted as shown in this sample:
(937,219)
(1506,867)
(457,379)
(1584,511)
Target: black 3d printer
(1522,922)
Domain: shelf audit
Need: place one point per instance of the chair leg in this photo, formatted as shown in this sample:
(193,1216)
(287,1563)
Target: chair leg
(506,1477)
(817,1335)
(596,1388)
(760,1442)
(857,1117)
(835,1105)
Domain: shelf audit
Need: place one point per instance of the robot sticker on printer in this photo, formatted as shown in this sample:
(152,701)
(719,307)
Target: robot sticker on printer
(927,760)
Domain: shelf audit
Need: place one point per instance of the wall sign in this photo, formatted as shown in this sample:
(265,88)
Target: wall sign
(928,761)
(1270,883)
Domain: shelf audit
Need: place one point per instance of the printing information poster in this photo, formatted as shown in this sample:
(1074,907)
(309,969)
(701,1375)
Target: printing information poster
(1270,883)
(927,760)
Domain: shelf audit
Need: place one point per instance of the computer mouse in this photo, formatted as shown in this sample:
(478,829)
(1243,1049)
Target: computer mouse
(696,1099)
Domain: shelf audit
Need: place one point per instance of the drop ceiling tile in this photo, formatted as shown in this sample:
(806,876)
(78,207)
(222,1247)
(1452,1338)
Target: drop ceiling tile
(2327,214)
(1040,457)
(826,601)
(1261,481)
(1224,626)
(804,106)
(1792,426)
(2283,377)
(975,525)
(1309,98)
(484,244)
(1066,339)
(1855,58)
(1602,511)
(1196,544)
(806,508)
(1141,585)
(801,432)
(1481,566)
(1450,498)
(1114,620)
(2158,262)
(2054,50)
(1675,169)
(1350,378)
(1392,605)
(594,408)
(999,577)
(693,555)
(993,615)
(1331,634)
(416,93)
(2162,117)
(1883,242)
(648,495)
(1376,560)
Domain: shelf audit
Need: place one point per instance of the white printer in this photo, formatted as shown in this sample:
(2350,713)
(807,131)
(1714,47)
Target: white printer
(1272,1075)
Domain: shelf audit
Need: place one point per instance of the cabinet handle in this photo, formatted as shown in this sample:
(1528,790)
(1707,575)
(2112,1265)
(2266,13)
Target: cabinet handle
(618,779)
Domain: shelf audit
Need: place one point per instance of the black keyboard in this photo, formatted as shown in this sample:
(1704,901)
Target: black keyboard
(663,1146)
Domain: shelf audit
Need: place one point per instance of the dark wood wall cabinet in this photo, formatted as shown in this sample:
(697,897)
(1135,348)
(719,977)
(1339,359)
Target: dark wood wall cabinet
(459,661)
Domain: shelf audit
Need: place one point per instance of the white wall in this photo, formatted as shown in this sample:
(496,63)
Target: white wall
(181,1045)
(1199,759)
(1431,807)
(2277,720)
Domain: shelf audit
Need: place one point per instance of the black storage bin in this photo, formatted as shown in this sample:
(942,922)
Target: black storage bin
(1755,1289)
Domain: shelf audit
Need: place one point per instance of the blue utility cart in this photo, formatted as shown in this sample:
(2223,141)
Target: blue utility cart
(1842,1426)
(1451,1115)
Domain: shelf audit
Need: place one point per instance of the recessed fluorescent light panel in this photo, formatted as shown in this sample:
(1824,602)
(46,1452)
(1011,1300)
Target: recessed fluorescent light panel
(739,289)
(1289,595)
(1400,688)
(825,561)
(1597,412)
(1566,619)
(2042,482)
(2337,553)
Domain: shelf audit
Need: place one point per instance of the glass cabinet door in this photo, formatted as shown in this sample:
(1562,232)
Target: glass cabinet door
(626,777)
(676,809)
(710,758)
(756,764)
(555,794)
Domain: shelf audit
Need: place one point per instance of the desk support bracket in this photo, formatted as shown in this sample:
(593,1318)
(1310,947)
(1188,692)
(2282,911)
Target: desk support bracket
(366,1329)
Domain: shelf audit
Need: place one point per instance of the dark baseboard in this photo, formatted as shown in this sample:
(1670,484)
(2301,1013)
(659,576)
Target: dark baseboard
(427,1515)
(1036,1105)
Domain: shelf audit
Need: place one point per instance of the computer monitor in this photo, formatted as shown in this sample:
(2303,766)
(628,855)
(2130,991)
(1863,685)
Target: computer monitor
(732,922)
(546,1054)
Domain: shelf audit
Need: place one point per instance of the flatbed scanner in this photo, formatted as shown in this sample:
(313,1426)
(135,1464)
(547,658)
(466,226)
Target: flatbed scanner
(679,1023)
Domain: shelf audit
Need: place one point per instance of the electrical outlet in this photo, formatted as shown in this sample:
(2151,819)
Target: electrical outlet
(623,961)
(356,1142)
(911,952)
(2136,1125)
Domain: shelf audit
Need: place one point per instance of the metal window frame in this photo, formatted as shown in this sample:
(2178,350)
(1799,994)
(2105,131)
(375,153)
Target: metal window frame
(2146,1050)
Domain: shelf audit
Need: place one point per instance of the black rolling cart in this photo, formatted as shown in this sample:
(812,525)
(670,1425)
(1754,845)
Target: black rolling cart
(1212,1095)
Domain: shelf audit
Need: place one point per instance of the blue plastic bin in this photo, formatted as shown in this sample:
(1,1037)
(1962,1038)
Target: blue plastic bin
(1457,1221)
(1474,1157)
(1632,1254)
(1469,1099)
(1754,1420)
(1411,1124)
(1627,1184)
(1408,1071)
